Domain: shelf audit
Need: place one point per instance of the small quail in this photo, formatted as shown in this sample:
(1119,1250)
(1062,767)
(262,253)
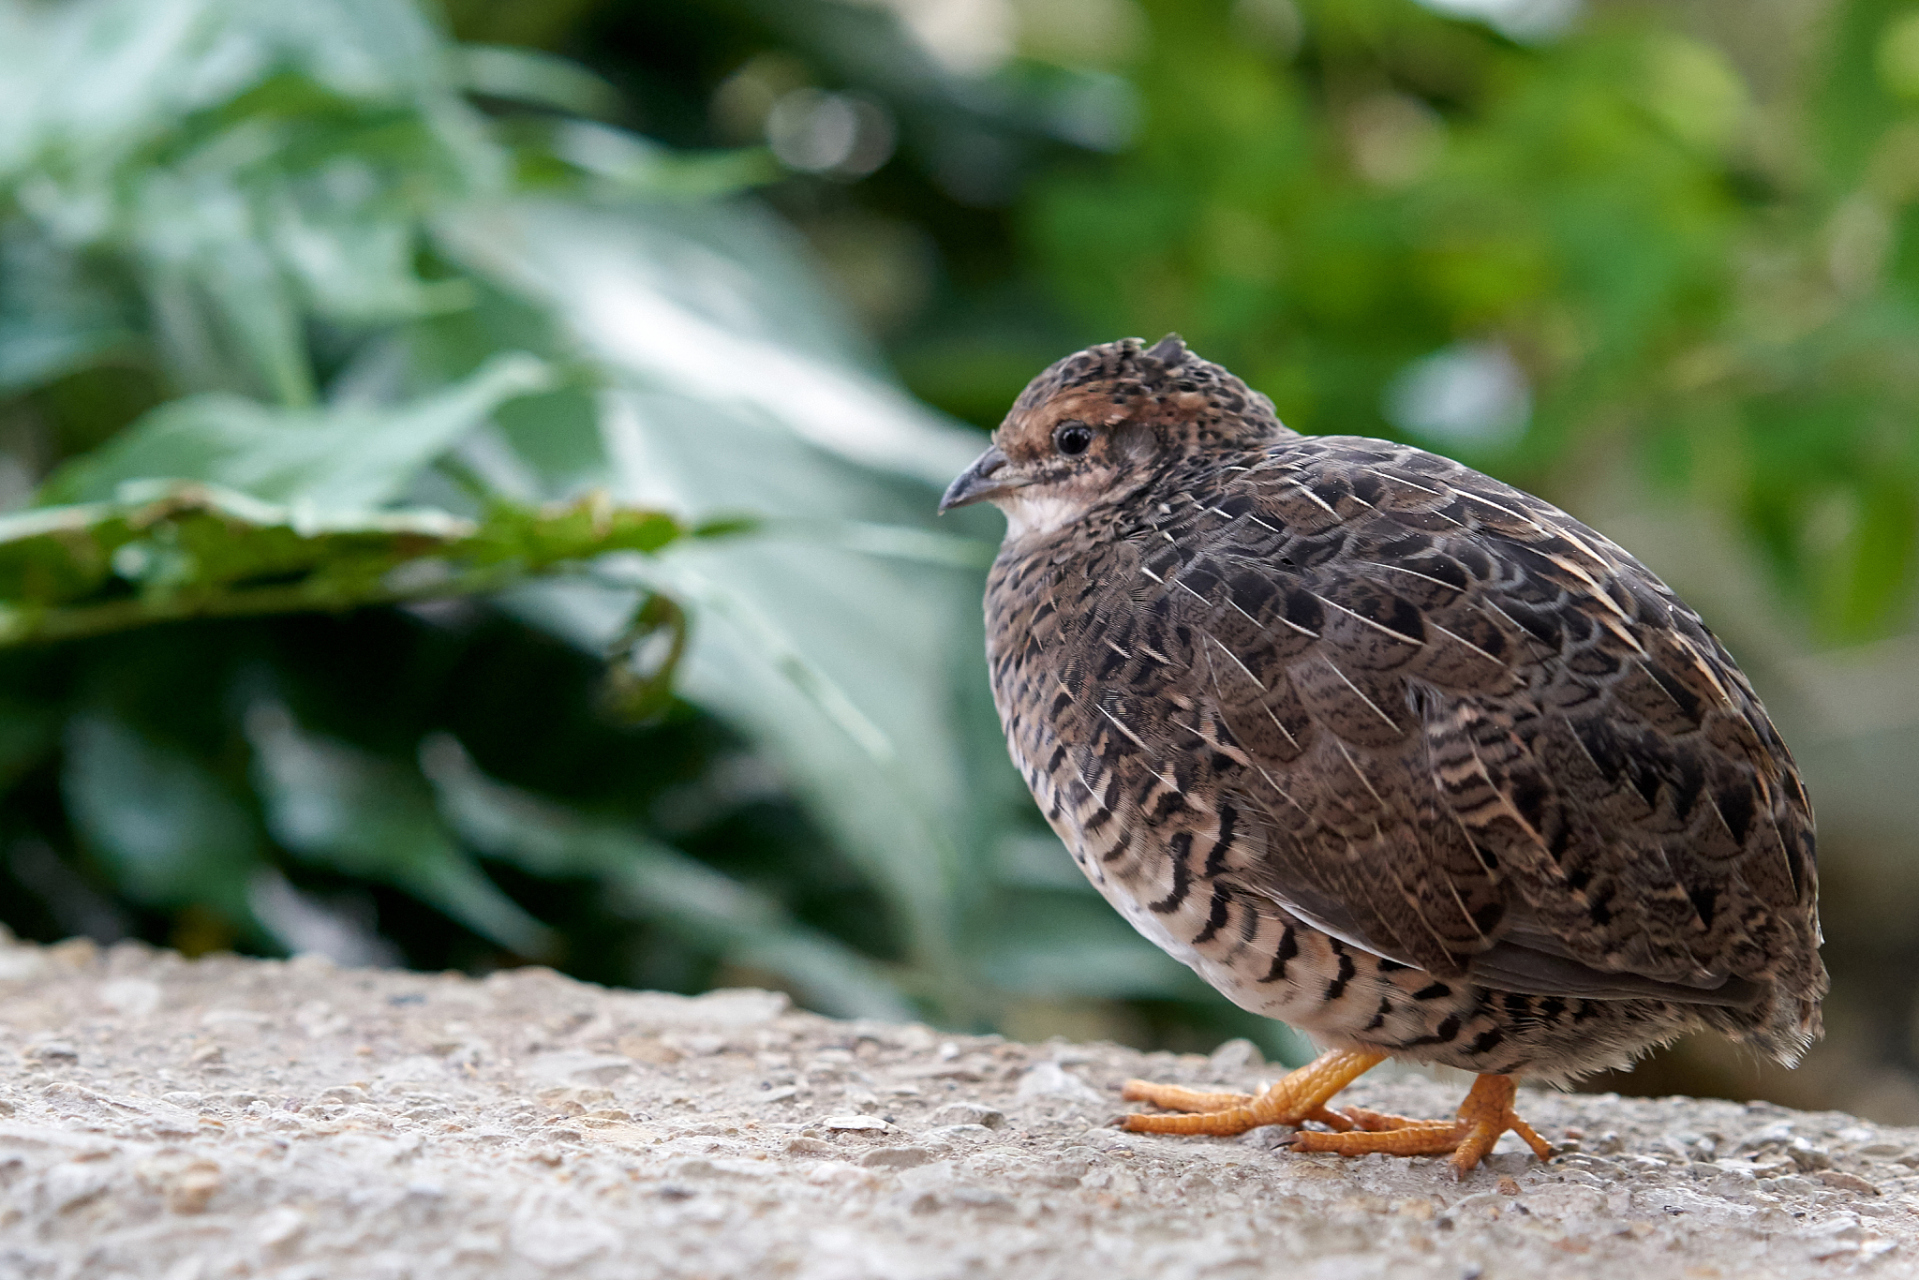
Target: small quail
(1384,748)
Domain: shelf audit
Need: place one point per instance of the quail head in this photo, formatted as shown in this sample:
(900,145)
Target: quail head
(1384,748)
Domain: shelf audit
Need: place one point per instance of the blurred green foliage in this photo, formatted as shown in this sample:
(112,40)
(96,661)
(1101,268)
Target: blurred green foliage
(1671,269)
(461,512)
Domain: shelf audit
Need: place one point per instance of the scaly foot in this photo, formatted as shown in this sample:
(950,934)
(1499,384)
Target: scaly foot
(1486,1113)
(1300,1097)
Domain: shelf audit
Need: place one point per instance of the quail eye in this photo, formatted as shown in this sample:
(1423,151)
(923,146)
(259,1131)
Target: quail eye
(1073,438)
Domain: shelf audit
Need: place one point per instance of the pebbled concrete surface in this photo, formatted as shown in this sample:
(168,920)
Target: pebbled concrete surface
(233,1117)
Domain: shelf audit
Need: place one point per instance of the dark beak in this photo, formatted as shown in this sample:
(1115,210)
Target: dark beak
(980,481)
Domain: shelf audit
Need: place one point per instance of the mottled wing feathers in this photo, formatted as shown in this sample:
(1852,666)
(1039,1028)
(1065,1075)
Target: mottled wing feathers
(1468,733)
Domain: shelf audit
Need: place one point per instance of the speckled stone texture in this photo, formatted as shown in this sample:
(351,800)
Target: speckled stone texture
(233,1117)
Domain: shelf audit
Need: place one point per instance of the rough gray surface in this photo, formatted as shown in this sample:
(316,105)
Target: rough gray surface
(241,1118)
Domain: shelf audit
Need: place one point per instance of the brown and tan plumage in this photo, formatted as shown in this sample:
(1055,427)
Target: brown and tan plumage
(1385,748)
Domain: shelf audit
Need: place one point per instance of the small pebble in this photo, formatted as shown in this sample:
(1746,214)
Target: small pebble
(1236,1056)
(53,1053)
(1808,1157)
(897,1157)
(836,1171)
(969,1113)
(1846,1181)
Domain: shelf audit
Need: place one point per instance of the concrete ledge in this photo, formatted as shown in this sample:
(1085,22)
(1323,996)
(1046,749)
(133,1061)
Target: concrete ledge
(233,1117)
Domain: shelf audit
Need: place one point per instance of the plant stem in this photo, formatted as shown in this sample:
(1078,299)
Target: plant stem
(39,625)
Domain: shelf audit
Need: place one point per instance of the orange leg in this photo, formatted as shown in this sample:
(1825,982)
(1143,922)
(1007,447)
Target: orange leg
(1486,1113)
(1301,1096)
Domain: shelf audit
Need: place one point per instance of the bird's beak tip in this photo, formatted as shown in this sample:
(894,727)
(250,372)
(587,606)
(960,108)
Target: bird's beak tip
(978,482)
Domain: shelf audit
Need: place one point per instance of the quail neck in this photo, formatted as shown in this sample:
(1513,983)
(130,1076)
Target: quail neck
(1383,747)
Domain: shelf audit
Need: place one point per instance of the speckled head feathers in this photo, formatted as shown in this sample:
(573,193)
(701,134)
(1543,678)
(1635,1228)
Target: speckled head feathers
(1100,423)
(1186,397)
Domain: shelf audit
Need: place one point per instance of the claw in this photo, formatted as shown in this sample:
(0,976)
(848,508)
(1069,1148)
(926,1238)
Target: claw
(1486,1113)
(1300,1097)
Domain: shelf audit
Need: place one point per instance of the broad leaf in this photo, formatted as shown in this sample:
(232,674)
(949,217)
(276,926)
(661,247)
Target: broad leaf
(167,550)
(174,835)
(652,881)
(731,388)
(366,817)
(336,459)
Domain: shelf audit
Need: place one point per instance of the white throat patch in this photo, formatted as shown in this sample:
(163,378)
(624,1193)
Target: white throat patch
(1031,514)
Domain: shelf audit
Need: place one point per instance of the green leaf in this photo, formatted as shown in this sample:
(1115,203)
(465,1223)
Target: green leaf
(29,731)
(341,458)
(712,304)
(343,808)
(652,881)
(732,384)
(172,834)
(890,541)
(55,316)
(167,550)
(248,164)
(110,76)
(1073,944)
(536,77)
(626,162)
(642,662)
